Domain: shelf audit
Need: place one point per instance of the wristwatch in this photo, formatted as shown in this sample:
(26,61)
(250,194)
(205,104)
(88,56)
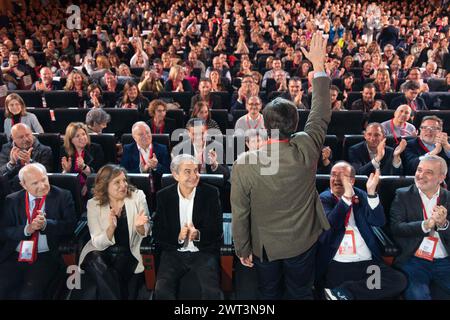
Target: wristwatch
(372,196)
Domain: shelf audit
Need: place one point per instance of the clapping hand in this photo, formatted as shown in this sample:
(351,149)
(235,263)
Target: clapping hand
(372,182)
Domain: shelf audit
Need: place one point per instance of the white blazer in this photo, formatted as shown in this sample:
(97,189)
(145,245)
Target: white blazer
(98,222)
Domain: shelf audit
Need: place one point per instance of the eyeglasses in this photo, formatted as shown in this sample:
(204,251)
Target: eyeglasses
(429,128)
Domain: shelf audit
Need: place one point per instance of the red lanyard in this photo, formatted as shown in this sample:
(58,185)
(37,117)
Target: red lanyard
(270,141)
(393,130)
(150,155)
(161,128)
(76,157)
(257,124)
(422,145)
(349,212)
(425,215)
(30,216)
(413,105)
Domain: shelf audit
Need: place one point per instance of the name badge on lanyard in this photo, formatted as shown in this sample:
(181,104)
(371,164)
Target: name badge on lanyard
(348,243)
(28,248)
(427,248)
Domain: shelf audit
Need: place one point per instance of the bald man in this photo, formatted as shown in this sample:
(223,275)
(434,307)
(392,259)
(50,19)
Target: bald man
(46,83)
(22,150)
(32,226)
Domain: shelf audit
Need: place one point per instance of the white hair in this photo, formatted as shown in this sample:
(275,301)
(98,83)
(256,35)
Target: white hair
(182,158)
(35,165)
(439,159)
(140,123)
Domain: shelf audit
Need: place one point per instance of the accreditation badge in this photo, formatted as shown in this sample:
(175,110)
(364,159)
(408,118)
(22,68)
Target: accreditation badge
(348,243)
(26,251)
(427,248)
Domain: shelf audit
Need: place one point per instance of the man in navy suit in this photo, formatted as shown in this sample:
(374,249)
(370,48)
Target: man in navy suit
(349,247)
(143,155)
(372,154)
(431,141)
(410,97)
(41,214)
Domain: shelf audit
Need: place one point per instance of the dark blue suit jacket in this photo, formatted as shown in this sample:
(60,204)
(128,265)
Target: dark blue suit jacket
(359,157)
(336,211)
(421,105)
(412,154)
(130,159)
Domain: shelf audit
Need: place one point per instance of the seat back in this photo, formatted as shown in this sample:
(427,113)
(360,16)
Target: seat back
(45,119)
(52,140)
(121,120)
(348,122)
(61,99)
(63,117)
(69,181)
(32,99)
(108,143)
(221,117)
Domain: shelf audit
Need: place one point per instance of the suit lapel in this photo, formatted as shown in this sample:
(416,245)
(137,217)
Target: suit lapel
(88,159)
(131,211)
(196,210)
(416,204)
(365,152)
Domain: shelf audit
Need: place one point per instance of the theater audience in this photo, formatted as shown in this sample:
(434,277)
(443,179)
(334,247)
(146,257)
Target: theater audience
(187,227)
(23,149)
(96,120)
(204,88)
(16,112)
(95,99)
(431,141)
(79,155)
(159,122)
(132,98)
(350,246)
(398,126)
(46,82)
(368,102)
(411,90)
(118,220)
(210,158)
(253,119)
(202,111)
(176,81)
(33,223)
(419,224)
(373,154)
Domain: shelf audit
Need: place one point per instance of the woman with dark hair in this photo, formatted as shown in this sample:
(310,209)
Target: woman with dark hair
(201,111)
(132,98)
(16,112)
(79,155)
(95,94)
(118,220)
(159,123)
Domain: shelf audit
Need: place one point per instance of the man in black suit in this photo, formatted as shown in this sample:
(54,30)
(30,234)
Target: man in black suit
(421,229)
(295,93)
(411,90)
(372,154)
(22,150)
(187,227)
(368,103)
(204,151)
(31,228)
(204,88)
(431,141)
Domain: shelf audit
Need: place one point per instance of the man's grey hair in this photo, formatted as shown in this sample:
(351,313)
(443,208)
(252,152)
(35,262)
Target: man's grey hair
(182,158)
(140,123)
(439,159)
(25,169)
(97,116)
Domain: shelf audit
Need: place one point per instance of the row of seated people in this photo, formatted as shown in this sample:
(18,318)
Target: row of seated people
(394,149)
(132,97)
(118,220)
(163,119)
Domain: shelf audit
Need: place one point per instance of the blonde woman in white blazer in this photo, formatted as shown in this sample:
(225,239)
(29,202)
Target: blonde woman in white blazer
(118,220)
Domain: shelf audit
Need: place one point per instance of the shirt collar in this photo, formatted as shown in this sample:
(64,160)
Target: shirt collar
(190,197)
(424,196)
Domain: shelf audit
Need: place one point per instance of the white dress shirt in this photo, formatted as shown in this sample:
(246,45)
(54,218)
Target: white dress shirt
(145,153)
(429,205)
(42,242)
(363,252)
(186,207)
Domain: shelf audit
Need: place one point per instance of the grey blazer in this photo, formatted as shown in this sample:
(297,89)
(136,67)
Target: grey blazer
(29,119)
(406,218)
(282,212)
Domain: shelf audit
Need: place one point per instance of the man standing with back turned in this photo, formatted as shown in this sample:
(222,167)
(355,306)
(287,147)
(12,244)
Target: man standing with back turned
(278,217)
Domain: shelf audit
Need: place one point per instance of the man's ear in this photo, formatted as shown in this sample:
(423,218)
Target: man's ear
(175,176)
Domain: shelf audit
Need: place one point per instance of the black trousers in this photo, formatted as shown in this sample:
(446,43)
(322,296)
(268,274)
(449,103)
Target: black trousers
(353,277)
(174,265)
(113,274)
(24,281)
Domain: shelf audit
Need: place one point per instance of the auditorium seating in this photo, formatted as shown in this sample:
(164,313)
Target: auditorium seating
(121,120)
(221,117)
(61,99)
(108,143)
(52,140)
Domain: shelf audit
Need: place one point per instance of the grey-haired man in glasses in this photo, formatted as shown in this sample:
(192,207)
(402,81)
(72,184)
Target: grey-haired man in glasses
(431,141)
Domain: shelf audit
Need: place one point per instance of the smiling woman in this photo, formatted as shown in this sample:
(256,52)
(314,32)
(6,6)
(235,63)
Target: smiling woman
(118,221)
